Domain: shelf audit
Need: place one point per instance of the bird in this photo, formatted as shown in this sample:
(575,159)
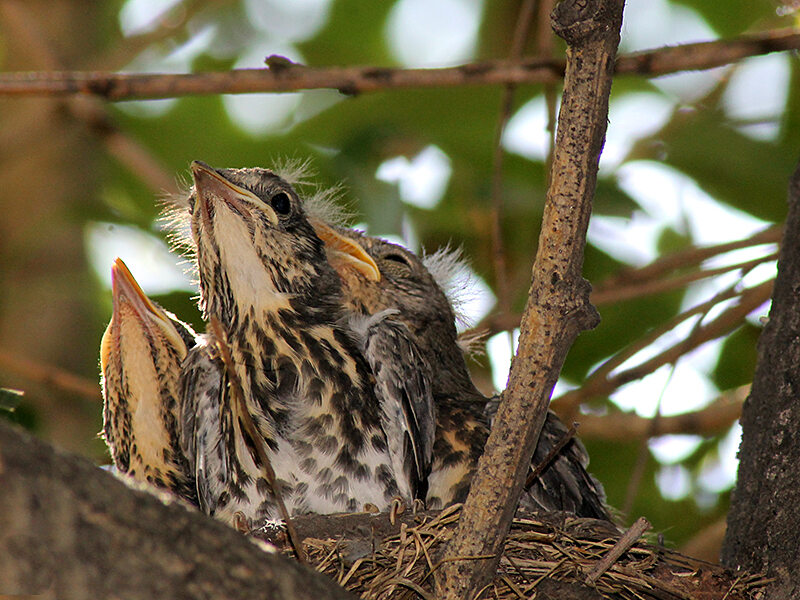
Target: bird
(265,278)
(409,287)
(140,361)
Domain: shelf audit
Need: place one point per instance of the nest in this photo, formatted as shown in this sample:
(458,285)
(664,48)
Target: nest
(545,556)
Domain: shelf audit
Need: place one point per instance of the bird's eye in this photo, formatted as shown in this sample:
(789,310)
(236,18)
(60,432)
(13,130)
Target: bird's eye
(397,258)
(281,203)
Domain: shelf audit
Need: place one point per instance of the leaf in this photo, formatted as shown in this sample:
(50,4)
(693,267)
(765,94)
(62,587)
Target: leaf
(736,16)
(737,360)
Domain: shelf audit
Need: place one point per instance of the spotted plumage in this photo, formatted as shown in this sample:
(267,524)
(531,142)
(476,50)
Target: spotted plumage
(140,358)
(412,292)
(264,276)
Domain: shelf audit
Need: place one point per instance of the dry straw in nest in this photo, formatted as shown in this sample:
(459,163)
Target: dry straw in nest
(377,560)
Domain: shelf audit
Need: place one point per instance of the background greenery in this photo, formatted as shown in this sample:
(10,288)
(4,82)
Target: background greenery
(79,179)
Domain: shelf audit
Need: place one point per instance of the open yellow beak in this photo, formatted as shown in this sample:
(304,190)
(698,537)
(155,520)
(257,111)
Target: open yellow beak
(123,283)
(348,251)
(125,290)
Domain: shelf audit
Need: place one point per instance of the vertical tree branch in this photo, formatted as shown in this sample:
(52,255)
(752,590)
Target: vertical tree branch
(764,520)
(558,305)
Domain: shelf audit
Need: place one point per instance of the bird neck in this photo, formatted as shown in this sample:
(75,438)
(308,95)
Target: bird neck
(451,377)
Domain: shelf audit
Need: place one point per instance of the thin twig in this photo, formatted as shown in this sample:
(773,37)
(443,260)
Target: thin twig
(648,288)
(714,418)
(643,281)
(258,440)
(554,452)
(615,361)
(621,547)
(685,258)
(357,80)
(49,375)
(729,319)
(521,30)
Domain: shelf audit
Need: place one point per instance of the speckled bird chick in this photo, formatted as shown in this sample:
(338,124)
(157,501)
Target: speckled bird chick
(140,359)
(264,275)
(408,288)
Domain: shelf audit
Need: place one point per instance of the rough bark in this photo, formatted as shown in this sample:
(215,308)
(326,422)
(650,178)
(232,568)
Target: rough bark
(69,530)
(558,306)
(764,519)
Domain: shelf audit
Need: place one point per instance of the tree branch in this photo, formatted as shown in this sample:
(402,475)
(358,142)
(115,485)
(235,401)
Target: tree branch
(624,427)
(765,509)
(603,384)
(558,305)
(284,76)
(49,375)
(69,528)
(636,282)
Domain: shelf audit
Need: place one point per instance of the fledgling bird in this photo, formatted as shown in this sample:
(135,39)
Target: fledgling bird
(265,277)
(408,288)
(140,360)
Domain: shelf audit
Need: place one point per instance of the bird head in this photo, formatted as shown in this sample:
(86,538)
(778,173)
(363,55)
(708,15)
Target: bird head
(255,245)
(402,283)
(139,324)
(140,359)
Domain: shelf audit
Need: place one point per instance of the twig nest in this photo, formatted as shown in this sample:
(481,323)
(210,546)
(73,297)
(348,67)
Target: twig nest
(545,554)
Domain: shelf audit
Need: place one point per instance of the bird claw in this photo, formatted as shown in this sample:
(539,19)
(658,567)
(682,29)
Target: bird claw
(371,508)
(417,506)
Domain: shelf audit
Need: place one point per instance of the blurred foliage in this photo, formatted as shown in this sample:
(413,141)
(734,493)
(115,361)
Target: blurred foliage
(10,399)
(348,138)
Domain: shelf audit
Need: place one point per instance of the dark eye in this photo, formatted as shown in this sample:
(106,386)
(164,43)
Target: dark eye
(281,203)
(397,258)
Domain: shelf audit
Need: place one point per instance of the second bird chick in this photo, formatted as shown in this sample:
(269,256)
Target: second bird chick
(409,290)
(140,359)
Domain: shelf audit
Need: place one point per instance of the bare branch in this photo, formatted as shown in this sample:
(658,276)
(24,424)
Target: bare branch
(621,547)
(727,321)
(242,415)
(685,258)
(657,286)
(631,283)
(558,307)
(624,427)
(526,14)
(357,80)
(50,376)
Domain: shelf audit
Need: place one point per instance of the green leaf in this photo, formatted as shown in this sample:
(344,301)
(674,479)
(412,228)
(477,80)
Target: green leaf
(736,16)
(737,360)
